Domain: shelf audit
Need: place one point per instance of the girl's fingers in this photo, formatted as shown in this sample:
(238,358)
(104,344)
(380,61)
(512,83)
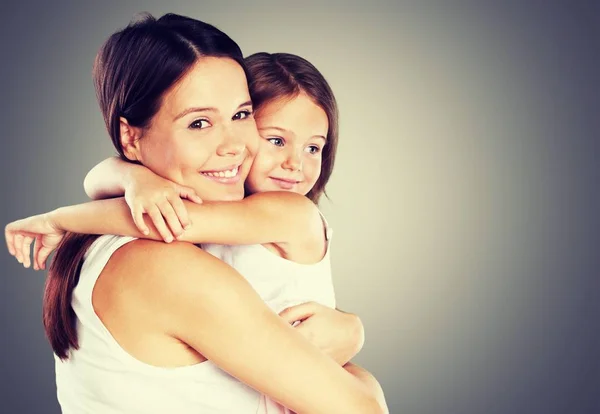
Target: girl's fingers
(43,256)
(18,247)
(159,223)
(181,211)
(36,253)
(190,194)
(298,312)
(138,218)
(26,250)
(10,240)
(171,217)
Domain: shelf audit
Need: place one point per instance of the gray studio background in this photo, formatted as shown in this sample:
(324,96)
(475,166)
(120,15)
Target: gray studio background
(464,199)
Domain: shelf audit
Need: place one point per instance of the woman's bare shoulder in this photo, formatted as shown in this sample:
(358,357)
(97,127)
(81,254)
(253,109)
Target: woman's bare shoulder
(152,269)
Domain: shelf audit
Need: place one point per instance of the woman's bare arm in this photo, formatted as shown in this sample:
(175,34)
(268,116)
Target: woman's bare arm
(338,334)
(213,309)
(367,378)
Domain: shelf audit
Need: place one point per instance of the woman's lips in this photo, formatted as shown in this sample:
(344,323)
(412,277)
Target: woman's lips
(228,175)
(284,183)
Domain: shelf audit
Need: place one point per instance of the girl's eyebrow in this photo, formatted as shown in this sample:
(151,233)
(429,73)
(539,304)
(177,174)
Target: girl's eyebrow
(276,128)
(287,131)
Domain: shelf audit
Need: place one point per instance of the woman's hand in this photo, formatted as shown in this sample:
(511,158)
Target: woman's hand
(339,335)
(21,233)
(161,199)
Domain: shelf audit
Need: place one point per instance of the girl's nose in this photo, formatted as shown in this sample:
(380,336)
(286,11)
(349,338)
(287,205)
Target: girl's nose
(293,161)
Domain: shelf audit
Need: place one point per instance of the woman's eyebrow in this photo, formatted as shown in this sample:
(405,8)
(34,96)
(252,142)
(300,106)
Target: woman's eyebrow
(205,109)
(194,109)
(247,103)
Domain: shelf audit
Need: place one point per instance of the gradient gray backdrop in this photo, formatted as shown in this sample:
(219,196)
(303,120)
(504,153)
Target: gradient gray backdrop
(464,200)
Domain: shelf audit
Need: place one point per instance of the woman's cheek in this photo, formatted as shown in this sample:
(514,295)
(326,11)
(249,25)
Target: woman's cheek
(246,131)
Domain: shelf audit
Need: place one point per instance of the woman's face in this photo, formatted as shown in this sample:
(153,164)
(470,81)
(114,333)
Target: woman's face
(204,135)
(293,133)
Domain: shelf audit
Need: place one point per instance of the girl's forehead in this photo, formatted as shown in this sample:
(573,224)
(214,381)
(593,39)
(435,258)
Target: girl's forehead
(299,115)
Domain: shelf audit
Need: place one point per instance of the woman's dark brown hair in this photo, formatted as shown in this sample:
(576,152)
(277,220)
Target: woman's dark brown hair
(132,71)
(282,75)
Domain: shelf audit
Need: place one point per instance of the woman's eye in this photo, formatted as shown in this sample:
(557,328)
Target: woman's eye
(199,124)
(242,115)
(278,142)
(313,149)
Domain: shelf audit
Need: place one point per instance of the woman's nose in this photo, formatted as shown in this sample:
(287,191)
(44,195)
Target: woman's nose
(231,145)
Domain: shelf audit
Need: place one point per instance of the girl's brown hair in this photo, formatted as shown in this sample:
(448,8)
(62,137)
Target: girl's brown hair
(282,75)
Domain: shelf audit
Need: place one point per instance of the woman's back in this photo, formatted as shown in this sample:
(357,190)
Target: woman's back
(101,376)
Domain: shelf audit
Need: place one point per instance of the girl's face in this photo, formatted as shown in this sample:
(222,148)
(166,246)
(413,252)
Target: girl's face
(293,133)
(204,135)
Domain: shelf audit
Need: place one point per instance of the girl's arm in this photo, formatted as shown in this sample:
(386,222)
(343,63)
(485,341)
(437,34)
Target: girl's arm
(145,193)
(109,178)
(274,218)
(209,306)
(271,217)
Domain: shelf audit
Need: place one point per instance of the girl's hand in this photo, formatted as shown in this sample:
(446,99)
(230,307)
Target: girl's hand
(338,334)
(21,233)
(148,193)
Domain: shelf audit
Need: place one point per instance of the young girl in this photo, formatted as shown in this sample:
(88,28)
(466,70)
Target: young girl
(279,242)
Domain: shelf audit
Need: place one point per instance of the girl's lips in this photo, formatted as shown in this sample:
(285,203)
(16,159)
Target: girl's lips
(284,183)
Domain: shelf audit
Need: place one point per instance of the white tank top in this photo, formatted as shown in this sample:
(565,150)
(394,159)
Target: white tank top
(101,377)
(281,283)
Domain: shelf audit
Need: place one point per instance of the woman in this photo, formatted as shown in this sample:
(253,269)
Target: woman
(154,321)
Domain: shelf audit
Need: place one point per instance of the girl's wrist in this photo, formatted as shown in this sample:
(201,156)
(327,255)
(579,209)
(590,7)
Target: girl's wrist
(55,218)
(132,176)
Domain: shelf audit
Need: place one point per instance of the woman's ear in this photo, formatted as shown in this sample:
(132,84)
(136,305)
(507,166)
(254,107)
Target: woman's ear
(130,137)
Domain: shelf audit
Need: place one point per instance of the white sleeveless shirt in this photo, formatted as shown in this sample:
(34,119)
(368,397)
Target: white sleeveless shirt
(281,283)
(101,377)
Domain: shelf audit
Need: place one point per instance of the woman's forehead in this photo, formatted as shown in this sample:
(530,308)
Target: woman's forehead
(216,83)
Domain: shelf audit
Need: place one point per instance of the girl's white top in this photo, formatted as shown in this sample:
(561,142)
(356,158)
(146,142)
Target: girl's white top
(101,377)
(281,283)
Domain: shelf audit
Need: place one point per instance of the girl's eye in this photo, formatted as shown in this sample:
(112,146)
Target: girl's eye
(242,115)
(313,149)
(278,142)
(199,124)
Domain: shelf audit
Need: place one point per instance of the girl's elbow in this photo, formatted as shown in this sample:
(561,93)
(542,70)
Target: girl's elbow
(88,187)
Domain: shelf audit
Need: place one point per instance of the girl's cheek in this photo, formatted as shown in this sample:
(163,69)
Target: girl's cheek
(258,174)
(315,173)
